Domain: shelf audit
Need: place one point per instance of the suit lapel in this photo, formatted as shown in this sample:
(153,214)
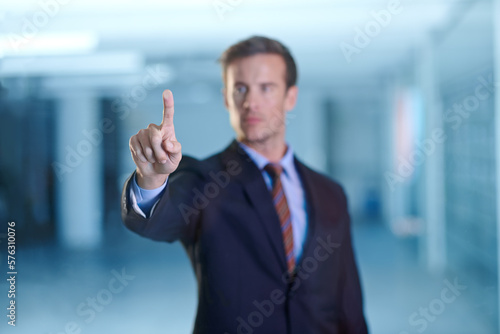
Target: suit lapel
(311,207)
(250,178)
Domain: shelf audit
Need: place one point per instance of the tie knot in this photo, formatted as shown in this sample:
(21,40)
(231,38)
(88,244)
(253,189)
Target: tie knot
(274,170)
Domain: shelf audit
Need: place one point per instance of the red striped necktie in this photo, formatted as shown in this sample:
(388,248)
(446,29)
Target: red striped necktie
(280,203)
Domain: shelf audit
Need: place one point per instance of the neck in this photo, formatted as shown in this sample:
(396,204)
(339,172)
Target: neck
(273,150)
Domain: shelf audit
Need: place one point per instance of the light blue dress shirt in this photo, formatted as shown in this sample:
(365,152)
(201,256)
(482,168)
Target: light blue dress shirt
(294,192)
(145,200)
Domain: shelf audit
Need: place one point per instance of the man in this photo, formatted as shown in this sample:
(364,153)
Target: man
(269,239)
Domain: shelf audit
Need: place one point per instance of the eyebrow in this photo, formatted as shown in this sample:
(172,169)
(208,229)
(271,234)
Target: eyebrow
(260,84)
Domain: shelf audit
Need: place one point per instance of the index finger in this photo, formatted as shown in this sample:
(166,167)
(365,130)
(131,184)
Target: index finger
(168,108)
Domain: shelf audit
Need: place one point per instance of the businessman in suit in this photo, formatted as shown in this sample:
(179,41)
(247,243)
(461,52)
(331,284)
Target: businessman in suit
(268,238)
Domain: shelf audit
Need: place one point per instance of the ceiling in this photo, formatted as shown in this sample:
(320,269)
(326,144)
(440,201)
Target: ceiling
(134,34)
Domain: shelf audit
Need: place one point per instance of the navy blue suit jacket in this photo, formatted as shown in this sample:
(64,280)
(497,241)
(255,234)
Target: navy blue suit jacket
(222,212)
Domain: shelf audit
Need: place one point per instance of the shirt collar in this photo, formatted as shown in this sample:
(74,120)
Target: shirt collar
(261,161)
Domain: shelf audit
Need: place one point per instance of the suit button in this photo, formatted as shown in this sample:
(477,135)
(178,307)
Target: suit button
(292,289)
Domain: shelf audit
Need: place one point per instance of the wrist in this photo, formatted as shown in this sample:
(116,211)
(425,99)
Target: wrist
(149,182)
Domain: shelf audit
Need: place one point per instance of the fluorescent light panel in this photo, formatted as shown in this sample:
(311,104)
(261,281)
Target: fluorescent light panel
(47,44)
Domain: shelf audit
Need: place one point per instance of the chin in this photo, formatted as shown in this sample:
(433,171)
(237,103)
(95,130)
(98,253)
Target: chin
(256,137)
(255,134)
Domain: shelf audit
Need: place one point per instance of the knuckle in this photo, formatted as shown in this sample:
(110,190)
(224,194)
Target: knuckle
(133,144)
(141,134)
(155,139)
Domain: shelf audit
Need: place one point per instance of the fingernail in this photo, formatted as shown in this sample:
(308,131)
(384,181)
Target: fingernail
(170,145)
(163,161)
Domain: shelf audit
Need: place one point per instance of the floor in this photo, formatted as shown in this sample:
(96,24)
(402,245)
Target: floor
(63,292)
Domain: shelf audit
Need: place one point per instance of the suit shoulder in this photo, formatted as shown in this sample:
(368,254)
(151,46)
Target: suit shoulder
(189,163)
(189,167)
(327,183)
(212,162)
(201,167)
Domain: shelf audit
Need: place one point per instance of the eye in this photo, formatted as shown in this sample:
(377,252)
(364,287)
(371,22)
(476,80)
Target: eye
(266,88)
(240,89)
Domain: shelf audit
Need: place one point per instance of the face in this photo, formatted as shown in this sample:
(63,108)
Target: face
(257,99)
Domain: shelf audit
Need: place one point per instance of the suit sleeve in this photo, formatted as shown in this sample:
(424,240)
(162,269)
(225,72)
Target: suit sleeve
(144,200)
(353,320)
(176,215)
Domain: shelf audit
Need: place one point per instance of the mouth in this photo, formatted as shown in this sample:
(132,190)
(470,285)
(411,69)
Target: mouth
(251,120)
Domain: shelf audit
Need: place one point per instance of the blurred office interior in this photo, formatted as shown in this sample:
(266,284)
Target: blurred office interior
(398,102)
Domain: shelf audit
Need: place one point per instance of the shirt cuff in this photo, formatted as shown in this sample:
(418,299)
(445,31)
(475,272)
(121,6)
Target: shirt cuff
(145,200)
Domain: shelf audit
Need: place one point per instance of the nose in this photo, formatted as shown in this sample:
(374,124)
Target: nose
(251,101)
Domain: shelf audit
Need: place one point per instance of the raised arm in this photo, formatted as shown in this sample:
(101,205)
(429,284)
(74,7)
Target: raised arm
(157,154)
(155,150)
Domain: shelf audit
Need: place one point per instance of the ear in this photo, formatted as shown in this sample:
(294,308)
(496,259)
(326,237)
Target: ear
(291,98)
(224,93)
